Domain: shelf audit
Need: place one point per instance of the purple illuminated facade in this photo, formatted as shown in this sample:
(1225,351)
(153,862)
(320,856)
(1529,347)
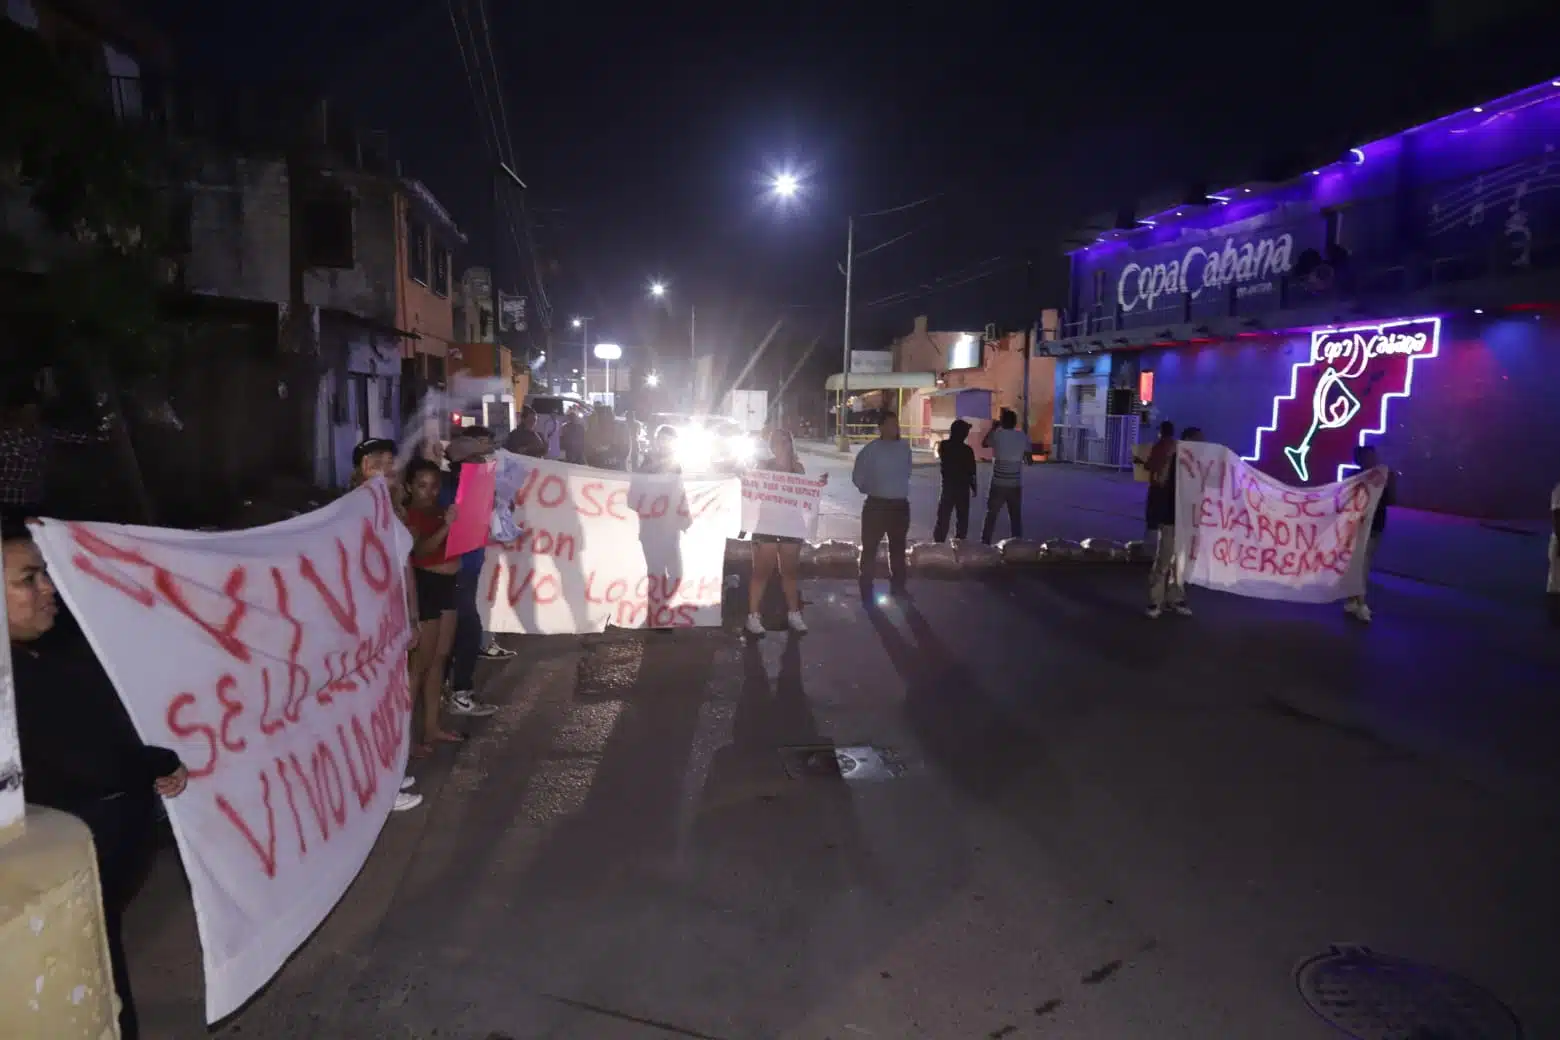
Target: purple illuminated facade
(1458,219)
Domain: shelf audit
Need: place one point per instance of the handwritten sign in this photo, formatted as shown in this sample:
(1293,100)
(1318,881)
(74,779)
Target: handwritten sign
(594,550)
(783,504)
(1239,530)
(274,662)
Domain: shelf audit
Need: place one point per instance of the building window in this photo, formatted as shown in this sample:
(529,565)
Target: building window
(441,270)
(417,250)
(327,231)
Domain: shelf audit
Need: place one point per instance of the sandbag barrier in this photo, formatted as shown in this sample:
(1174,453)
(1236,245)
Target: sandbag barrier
(956,559)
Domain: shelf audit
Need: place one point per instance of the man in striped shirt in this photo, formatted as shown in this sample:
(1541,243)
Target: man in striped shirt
(1008,446)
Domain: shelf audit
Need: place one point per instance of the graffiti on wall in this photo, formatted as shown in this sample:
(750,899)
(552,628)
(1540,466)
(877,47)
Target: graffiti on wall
(1339,395)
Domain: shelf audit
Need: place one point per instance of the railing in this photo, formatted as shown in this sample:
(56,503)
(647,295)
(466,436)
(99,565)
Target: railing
(1109,445)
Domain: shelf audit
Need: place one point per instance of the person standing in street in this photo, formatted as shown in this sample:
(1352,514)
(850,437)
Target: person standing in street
(1164,575)
(777,553)
(1009,445)
(80,751)
(882,473)
(473,447)
(1365,458)
(957,461)
(1554,557)
(523,439)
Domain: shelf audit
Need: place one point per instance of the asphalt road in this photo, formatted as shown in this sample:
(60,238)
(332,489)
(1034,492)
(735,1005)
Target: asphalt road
(1098,826)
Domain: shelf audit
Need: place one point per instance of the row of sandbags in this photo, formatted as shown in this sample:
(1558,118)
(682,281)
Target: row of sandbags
(957,558)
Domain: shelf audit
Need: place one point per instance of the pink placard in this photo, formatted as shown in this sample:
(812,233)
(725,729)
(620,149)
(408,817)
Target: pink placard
(474,497)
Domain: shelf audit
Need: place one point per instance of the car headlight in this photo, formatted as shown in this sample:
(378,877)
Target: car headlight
(695,449)
(744,450)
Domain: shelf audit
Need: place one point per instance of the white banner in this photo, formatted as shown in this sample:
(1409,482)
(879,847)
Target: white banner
(1239,530)
(274,662)
(781,504)
(599,549)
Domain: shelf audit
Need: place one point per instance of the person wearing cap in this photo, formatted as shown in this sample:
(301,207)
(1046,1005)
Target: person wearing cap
(475,445)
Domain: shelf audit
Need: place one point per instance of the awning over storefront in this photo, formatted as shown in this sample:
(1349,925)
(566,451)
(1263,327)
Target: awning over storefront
(863,382)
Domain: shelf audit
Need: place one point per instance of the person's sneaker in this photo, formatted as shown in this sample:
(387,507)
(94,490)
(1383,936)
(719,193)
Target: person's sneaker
(1362,612)
(1152,613)
(408,782)
(405,801)
(755,625)
(1181,609)
(796,621)
(463,703)
(494,652)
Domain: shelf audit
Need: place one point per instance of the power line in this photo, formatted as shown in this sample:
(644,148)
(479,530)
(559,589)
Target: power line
(942,283)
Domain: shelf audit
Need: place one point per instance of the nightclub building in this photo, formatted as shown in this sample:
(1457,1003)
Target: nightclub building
(1406,294)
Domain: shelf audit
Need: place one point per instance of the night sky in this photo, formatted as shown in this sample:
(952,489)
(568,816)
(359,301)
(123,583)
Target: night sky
(646,137)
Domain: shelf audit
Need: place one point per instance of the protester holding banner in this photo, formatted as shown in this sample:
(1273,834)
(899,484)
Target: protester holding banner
(474,447)
(80,752)
(776,552)
(1366,459)
(435,576)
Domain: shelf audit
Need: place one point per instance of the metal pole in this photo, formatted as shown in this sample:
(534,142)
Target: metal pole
(843,444)
(1029,350)
(693,357)
(585,359)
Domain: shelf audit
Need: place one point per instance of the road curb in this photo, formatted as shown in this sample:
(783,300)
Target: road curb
(954,560)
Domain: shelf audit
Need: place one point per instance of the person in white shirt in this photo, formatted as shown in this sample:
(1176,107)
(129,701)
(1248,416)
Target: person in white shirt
(1008,446)
(1554,557)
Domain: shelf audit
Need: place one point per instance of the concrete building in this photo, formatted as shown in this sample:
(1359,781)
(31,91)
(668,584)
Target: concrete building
(1405,293)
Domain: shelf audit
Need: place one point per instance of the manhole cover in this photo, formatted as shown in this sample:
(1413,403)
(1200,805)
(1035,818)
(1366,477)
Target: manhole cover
(859,762)
(1374,997)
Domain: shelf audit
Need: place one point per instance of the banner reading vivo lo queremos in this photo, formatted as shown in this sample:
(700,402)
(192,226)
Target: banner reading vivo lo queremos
(631,550)
(274,662)
(1239,530)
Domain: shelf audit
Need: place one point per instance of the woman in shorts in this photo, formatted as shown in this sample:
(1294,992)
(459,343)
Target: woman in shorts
(434,576)
(772,552)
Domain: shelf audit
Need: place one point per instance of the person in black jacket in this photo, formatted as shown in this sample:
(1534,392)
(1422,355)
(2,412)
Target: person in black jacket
(80,752)
(957,460)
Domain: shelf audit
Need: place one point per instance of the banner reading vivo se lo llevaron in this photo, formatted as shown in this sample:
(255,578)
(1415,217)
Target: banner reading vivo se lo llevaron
(784,504)
(1239,530)
(273,661)
(598,549)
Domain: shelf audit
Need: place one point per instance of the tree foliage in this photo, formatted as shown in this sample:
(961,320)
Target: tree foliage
(93,180)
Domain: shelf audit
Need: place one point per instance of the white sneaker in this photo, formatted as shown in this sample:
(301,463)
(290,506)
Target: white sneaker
(408,782)
(463,703)
(1152,613)
(404,801)
(755,625)
(1362,612)
(1351,608)
(1181,609)
(796,621)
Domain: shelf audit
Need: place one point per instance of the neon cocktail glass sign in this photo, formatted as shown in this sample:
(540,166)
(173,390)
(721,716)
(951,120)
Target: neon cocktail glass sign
(1344,386)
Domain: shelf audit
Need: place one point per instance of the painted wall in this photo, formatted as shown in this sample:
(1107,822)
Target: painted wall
(1476,193)
(419,308)
(1472,439)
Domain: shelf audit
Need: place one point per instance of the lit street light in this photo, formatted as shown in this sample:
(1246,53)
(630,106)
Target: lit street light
(658,289)
(786,185)
(608,353)
(652,380)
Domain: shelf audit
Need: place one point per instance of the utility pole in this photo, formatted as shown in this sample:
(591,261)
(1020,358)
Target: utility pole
(693,356)
(1029,350)
(585,358)
(843,443)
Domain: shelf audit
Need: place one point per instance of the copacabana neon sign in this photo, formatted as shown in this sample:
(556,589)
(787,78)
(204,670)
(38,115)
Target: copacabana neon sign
(1349,377)
(1256,260)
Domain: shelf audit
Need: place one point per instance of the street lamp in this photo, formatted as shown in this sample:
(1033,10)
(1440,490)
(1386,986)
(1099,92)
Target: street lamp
(608,353)
(652,380)
(583,324)
(786,185)
(658,291)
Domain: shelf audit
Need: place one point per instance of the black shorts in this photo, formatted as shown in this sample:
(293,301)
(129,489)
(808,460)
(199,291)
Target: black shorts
(777,539)
(435,593)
